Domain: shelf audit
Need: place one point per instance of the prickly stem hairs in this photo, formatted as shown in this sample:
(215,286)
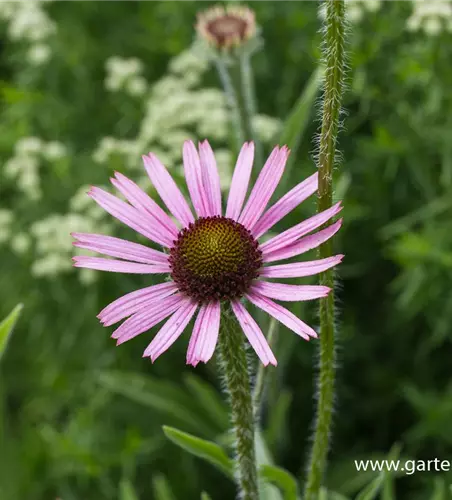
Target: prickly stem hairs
(334,55)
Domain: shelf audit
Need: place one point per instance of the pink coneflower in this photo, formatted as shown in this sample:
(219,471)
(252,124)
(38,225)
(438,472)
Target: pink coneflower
(210,258)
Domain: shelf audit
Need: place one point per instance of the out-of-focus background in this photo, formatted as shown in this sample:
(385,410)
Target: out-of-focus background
(85,89)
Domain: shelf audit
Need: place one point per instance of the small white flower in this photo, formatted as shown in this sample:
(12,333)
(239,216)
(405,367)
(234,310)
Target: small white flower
(432,16)
(28,145)
(125,74)
(20,243)
(224,164)
(188,61)
(266,127)
(137,86)
(39,54)
(432,26)
(54,150)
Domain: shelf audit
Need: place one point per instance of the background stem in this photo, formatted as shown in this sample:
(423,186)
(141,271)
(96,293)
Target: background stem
(232,102)
(262,371)
(236,76)
(234,366)
(333,89)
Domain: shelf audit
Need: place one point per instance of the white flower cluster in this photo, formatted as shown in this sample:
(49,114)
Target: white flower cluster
(126,75)
(29,22)
(355,10)
(53,240)
(431,16)
(24,165)
(177,109)
(19,242)
(174,111)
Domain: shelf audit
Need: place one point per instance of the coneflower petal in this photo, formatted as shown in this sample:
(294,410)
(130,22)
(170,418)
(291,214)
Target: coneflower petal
(205,334)
(117,247)
(194,179)
(145,320)
(132,302)
(119,266)
(282,315)
(211,178)
(301,269)
(240,181)
(127,214)
(171,330)
(168,190)
(264,188)
(141,201)
(305,227)
(285,205)
(254,334)
(303,244)
(291,293)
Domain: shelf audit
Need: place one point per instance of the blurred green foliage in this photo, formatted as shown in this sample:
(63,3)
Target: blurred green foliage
(82,419)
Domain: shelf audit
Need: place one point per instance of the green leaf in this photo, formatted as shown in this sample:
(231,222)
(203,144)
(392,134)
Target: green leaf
(325,494)
(371,491)
(440,490)
(127,491)
(160,395)
(205,496)
(162,489)
(207,450)
(7,326)
(209,400)
(281,478)
(298,119)
(263,458)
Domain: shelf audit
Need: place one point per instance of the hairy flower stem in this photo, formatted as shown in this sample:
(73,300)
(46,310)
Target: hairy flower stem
(334,55)
(234,366)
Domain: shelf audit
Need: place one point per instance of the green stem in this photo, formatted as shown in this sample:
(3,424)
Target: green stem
(236,76)
(249,102)
(262,372)
(234,366)
(334,54)
(231,101)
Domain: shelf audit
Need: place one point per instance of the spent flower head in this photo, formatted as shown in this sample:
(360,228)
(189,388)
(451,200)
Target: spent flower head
(226,27)
(211,257)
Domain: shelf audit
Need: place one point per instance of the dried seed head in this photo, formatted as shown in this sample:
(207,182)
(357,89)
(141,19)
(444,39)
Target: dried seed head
(226,27)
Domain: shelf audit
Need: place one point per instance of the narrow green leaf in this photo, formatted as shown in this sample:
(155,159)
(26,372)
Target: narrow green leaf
(298,119)
(7,326)
(207,450)
(162,489)
(325,494)
(209,400)
(161,396)
(371,491)
(282,479)
(264,457)
(388,488)
(127,491)
(439,489)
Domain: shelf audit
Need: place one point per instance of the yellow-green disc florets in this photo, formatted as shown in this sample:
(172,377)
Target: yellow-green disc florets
(216,258)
